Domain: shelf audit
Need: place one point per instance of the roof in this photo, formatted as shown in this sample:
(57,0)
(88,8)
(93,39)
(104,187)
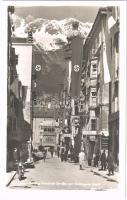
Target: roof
(102,11)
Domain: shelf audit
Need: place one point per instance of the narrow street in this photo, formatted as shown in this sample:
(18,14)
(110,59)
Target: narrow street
(54,174)
(63,96)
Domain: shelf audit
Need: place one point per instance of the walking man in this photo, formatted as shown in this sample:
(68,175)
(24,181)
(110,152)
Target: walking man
(44,154)
(110,164)
(62,153)
(58,151)
(81,159)
(103,161)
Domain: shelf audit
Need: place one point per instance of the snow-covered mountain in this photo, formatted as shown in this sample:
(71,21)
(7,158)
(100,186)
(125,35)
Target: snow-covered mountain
(49,33)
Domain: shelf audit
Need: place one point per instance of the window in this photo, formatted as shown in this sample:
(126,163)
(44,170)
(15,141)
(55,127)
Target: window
(88,71)
(45,129)
(94,68)
(93,124)
(76,110)
(93,94)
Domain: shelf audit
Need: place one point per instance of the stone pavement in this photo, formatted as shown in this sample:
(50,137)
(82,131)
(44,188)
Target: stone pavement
(115,177)
(104,174)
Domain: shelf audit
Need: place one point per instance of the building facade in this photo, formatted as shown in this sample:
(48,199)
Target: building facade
(73,57)
(18,130)
(114,86)
(44,128)
(100,83)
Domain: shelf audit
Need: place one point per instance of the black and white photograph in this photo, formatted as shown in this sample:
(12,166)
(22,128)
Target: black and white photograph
(63,102)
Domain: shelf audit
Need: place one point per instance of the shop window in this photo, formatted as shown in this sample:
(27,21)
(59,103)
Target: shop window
(93,124)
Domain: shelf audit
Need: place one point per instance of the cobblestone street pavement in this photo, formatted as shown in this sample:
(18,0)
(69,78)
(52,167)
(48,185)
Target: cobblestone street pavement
(54,174)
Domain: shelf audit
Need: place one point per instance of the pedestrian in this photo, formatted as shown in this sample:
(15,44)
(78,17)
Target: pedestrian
(96,160)
(62,153)
(81,159)
(58,151)
(111,165)
(90,156)
(103,161)
(71,152)
(52,151)
(66,155)
(44,154)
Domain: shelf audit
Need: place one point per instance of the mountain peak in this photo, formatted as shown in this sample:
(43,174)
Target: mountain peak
(50,33)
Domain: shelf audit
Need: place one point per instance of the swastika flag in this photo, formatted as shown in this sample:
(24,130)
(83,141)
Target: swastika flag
(77,53)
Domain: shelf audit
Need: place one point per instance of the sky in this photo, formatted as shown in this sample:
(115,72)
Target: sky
(82,13)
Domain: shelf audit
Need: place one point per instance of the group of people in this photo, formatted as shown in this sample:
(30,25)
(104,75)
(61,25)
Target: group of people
(106,161)
(51,150)
(65,153)
(102,161)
